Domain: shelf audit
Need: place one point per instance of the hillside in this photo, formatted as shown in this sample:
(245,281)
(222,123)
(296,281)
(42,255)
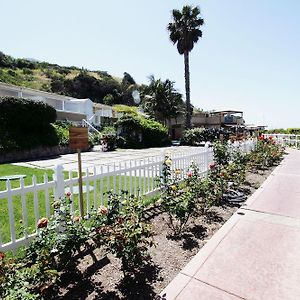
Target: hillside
(99,86)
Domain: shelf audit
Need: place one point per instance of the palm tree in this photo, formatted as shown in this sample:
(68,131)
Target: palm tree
(184,31)
(161,100)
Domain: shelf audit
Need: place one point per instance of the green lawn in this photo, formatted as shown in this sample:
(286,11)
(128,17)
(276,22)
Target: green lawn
(101,187)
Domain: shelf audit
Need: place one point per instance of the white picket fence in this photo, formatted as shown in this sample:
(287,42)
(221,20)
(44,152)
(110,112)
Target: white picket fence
(24,205)
(289,140)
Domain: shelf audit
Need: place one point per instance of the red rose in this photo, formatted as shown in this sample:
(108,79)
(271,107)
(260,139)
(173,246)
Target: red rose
(212,166)
(2,255)
(68,194)
(189,174)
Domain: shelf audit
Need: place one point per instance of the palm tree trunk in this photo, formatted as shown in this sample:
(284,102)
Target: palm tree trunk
(187,89)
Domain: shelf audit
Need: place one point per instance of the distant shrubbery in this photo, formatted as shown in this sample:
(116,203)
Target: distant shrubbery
(26,124)
(284,131)
(69,81)
(195,136)
(137,132)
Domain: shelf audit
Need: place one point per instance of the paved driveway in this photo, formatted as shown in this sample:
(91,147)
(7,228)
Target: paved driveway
(99,158)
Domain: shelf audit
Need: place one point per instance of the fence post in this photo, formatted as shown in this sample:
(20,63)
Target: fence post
(58,177)
(206,156)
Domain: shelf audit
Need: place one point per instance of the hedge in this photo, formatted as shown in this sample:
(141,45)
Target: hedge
(138,132)
(26,124)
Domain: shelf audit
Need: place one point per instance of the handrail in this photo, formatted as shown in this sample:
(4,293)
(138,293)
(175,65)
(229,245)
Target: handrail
(85,122)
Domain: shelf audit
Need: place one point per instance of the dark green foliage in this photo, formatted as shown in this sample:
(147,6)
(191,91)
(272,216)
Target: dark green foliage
(62,132)
(83,85)
(108,99)
(195,136)
(266,154)
(26,124)
(179,198)
(86,86)
(161,100)
(221,153)
(284,131)
(124,232)
(6,61)
(139,132)
(127,79)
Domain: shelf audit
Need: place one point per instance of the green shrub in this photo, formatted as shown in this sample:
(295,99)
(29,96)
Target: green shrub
(138,132)
(49,253)
(197,135)
(109,141)
(108,130)
(193,136)
(94,139)
(284,131)
(123,231)
(62,132)
(179,199)
(125,109)
(108,99)
(26,124)
(266,154)
(221,153)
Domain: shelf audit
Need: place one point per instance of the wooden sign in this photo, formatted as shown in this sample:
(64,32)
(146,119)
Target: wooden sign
(78,138)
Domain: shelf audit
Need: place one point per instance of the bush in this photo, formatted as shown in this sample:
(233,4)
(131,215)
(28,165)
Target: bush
(126,110)
(109,141)
(193,136)
(62,132)
(123,230)
(94,139)
(108,99)
(26,124)
(284,131)
(179,199)
(266,154)
(197,135)
(221,153)
(49,253)
(139,132)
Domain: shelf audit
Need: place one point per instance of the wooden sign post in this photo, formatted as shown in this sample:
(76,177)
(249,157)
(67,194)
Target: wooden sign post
(79,140)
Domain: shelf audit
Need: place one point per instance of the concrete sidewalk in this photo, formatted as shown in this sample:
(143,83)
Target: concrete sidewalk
(256,254)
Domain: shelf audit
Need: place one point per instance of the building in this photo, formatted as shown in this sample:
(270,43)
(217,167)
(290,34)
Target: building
(67,108)
(230,119)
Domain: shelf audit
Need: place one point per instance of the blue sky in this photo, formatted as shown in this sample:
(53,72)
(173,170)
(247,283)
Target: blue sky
(248,58)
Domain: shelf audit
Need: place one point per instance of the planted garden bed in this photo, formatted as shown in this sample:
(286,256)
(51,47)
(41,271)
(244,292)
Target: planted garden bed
(126,250)
(105,280)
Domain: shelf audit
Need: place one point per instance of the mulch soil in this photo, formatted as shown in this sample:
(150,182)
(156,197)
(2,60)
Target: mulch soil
(104,279)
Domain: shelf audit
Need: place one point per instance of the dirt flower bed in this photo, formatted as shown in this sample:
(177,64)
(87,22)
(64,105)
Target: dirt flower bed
(128,249)
(104,279)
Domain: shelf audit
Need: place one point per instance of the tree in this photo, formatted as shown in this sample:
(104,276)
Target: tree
(128,85)
(161,100)
(184,31)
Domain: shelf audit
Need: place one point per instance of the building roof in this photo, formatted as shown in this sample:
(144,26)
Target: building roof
(101,105)
(16,88)
(226,112)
